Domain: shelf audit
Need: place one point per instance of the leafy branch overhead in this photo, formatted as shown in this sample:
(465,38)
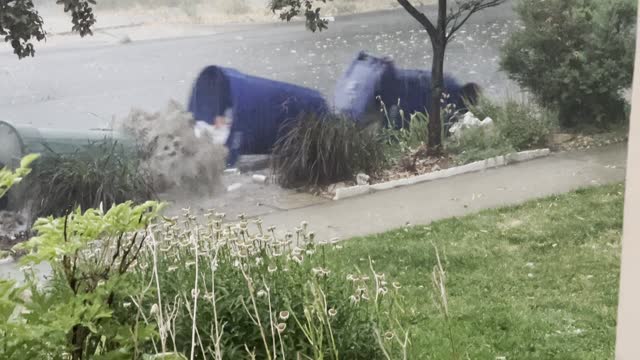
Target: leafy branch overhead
(288,9)
(21,24)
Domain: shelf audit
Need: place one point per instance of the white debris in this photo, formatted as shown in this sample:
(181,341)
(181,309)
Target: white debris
(362,179)
(234,187)
(470,121)
(259,179)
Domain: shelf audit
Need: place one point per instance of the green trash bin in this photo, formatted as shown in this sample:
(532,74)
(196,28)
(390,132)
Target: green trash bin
(18,140)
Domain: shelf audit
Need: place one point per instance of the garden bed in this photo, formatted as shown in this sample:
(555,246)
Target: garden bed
(343,192)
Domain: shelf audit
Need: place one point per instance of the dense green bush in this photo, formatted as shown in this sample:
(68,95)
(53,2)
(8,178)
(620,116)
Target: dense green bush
(324,149)
(575,56)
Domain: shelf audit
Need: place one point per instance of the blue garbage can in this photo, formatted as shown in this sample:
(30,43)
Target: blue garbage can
(369,77)
(357,90)
(260,107)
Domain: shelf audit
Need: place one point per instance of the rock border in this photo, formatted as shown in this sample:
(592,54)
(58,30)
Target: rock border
(491,163)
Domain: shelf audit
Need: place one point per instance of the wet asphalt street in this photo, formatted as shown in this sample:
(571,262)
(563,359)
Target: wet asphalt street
(87,86)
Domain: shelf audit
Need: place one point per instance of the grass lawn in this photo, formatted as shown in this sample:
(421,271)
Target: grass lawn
(536,281)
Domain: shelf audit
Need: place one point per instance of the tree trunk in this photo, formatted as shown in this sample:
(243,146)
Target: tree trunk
(437,88)
(439,44)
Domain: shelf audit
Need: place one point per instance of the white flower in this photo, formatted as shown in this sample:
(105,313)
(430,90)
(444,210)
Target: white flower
(297,258)
(284,315)
(272,268)
(320,272)
(172,268)
(262,293)
(396,285)
(126,304)
(382,291)
(154,309)
(259,261)
(281,327)
(388,335)
(354,299)
(332,312)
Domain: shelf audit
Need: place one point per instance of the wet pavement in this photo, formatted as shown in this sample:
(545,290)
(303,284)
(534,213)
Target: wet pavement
(87,85)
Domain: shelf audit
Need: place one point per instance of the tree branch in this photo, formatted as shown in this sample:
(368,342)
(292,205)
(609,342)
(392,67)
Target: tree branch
(464,11)
(421,17)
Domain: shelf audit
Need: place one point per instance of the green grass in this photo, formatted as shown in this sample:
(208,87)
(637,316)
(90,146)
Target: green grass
(536,281)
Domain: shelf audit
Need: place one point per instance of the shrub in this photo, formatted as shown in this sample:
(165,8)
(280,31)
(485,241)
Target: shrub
(475,144)
(324,149)
(99,174)
(520,123)
(524,125)
(575,56)
(243,289)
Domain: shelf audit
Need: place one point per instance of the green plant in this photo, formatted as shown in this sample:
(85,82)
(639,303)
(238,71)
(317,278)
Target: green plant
(520,123)
(575,56)
(324,149)
(100,174)
(75,315)
(524,125)
(10,178)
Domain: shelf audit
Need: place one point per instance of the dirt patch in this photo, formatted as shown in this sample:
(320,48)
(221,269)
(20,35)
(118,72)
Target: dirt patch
(414,164)
(568,141)
(175,158)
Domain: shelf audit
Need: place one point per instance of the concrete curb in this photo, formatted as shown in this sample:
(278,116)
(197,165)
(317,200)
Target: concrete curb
(481,165)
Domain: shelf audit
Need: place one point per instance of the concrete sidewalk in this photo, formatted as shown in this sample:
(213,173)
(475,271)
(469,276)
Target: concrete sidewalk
(456,196)
(459,195)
